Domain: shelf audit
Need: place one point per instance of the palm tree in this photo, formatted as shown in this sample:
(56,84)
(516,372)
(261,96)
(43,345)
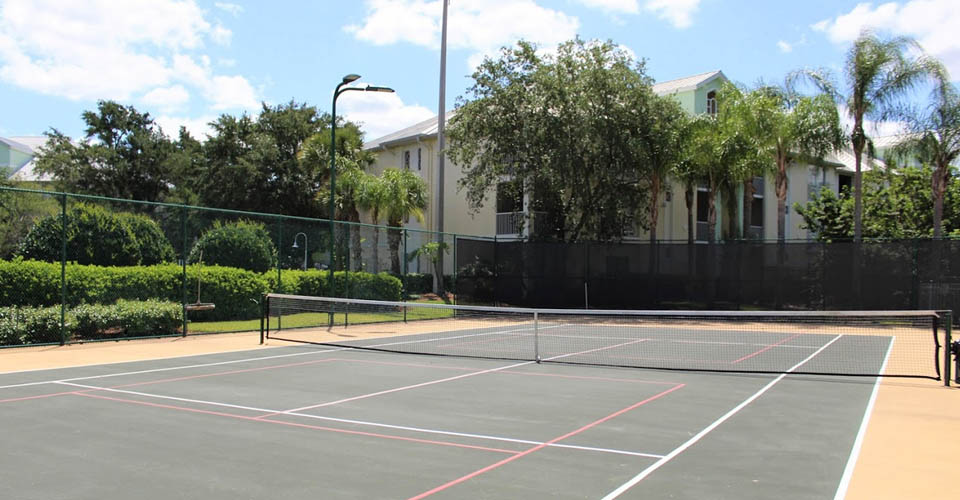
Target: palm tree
(786,126)
(406,196)
(934,139)
(878,73)
(372,196)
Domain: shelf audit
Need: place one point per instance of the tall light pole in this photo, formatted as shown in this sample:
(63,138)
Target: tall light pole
(333,155)
(304,248)
(441,144)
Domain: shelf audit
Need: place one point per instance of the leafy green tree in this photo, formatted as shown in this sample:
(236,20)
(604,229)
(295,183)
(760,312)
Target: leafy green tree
(878,72)
(787,127)
(242,244)
(934,139)
(124,154)
(898,204)
(566,128)
(664,142)
(405,197)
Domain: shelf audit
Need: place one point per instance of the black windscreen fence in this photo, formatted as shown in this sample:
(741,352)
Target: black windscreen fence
(801,275)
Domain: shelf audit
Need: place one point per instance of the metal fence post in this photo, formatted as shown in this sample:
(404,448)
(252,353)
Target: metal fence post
(456,290)
(63,270)
(404,269)
(183,280)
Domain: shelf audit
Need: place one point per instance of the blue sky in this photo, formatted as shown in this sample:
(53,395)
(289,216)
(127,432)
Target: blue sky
(188,61)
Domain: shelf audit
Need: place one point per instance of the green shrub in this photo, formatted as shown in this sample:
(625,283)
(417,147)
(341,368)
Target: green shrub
(99,237)
(242,244)
(152,243)
(419,283)
(31,283)
(30,325)
(127,318)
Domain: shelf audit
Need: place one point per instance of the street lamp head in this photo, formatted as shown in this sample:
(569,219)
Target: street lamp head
(295,245)
(373,88)
(351,78)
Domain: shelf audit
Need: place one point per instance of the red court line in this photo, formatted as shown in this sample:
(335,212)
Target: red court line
(293,424)
(543,445)
(765,349)
(41,396)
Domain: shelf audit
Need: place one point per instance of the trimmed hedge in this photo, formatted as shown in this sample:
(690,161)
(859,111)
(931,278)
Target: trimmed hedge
(41,325)
(234,291)
(313,282)
(99,237)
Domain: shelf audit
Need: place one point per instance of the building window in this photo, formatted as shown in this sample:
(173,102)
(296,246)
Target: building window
(845,181)
(756,209)
(406,160)
(712,102)
(419,158)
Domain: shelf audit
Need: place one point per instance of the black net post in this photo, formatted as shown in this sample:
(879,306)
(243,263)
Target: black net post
(948,347)
(263,315)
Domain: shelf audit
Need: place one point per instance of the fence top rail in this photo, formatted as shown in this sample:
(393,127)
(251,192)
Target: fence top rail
(628,312)
(224,210)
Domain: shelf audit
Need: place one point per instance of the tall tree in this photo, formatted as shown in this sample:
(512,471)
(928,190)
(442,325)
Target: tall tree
(722,154)
(124,154)
(252,164)
(878,72)
(664,143)
(565,128)
(934,139)
(785,127)
(372,196)
(405,197)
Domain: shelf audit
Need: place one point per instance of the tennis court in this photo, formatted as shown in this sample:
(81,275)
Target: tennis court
(326,421)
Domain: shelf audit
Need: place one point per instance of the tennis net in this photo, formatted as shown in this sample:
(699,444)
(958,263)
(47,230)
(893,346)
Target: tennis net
(849,343)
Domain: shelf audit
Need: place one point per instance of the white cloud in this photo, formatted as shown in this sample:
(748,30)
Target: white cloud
(615,6)
(199,128)
(231,8)
(167,98)
(784,47)
(148,51)
(932,22)
(380,113)
(870,127)
(677,12)
(482,26)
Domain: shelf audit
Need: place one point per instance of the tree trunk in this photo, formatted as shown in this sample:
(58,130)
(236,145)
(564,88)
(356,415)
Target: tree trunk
(940,176)
(393,240)
(688,197)
(859,141)
(376,242)
(355,247)
(781,187)
(711,213)
(748,191)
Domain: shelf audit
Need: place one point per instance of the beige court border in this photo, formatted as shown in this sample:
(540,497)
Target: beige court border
(909,450)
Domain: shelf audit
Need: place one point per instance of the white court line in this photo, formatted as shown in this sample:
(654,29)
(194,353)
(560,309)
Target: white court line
(404,388)
(219,363)
(858,442)
(365,423)
(716,423)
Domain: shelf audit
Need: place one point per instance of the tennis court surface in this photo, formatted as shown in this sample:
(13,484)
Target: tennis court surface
(321,419)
